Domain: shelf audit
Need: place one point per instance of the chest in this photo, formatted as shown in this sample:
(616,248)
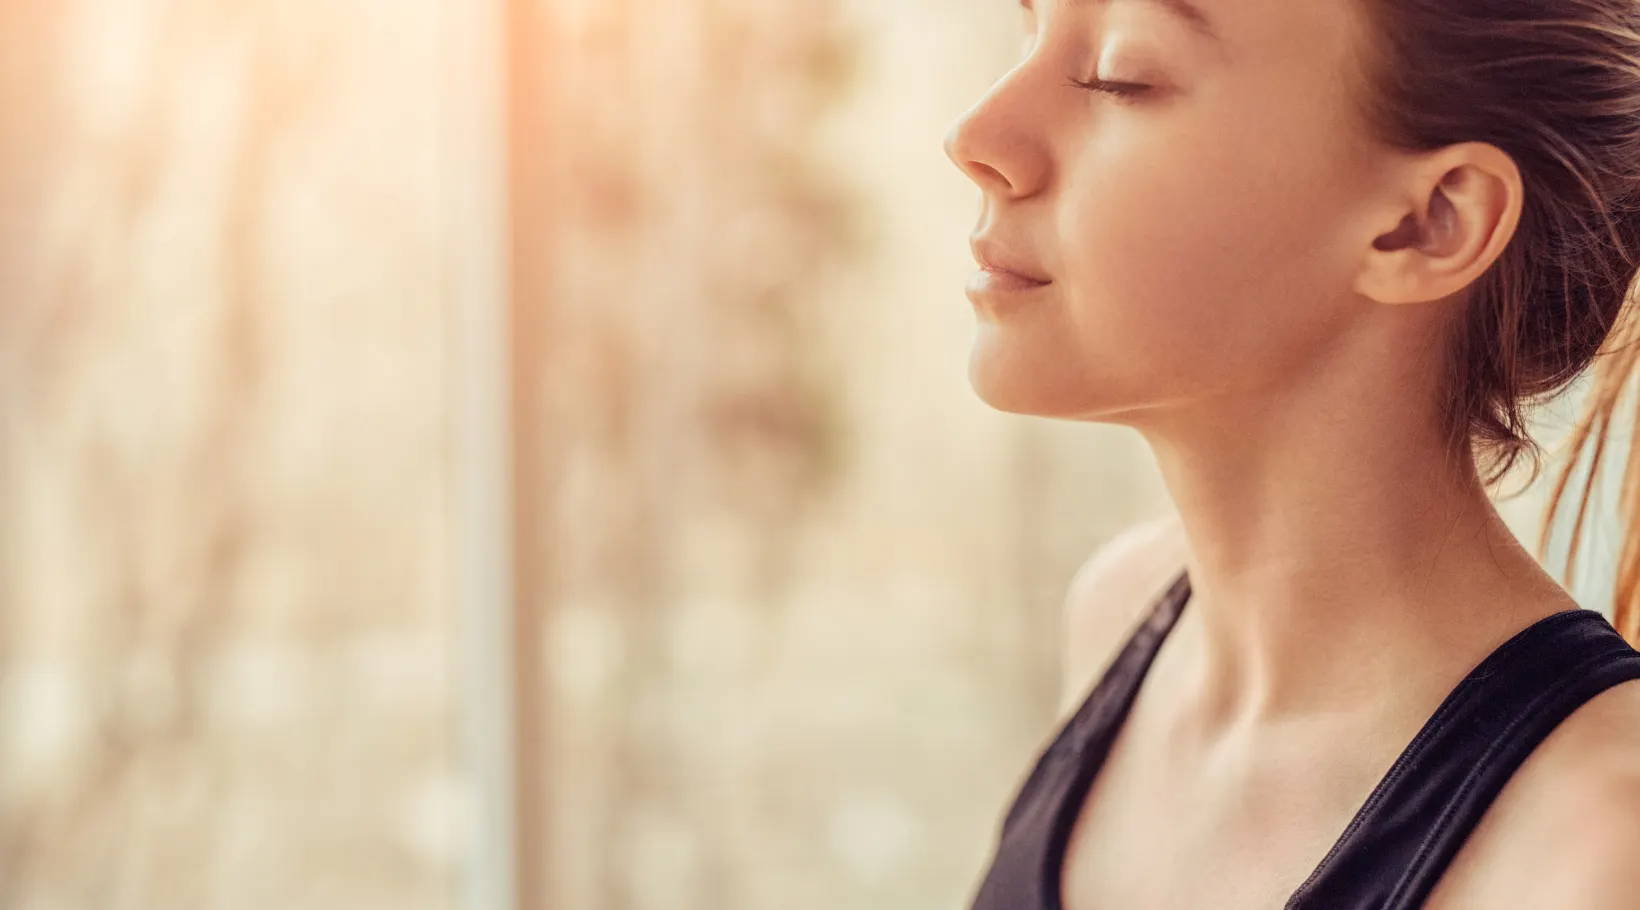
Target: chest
(1244,835)
(1141,839)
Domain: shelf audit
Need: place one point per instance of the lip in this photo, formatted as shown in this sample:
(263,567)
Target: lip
(993,289)
(997,285)
(993,256)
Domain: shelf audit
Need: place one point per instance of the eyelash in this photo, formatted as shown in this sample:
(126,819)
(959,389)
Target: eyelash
(1122,92)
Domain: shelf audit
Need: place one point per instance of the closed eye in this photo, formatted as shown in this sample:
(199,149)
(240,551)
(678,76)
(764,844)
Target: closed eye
(1125,91)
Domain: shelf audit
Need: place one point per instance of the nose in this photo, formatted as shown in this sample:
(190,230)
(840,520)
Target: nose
(999,143)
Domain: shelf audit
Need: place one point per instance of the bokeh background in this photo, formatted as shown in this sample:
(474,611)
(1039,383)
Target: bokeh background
(518,454)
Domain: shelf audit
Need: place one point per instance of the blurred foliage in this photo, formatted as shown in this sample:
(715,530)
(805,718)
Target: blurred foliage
(797,590)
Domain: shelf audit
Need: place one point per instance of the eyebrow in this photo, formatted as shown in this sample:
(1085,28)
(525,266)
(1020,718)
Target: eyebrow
(1184,9)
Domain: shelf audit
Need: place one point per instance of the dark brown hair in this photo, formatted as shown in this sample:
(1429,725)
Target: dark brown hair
(1556,85)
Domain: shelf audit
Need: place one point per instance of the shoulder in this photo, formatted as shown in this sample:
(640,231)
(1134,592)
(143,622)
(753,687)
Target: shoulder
(1600,870)
(1591,774)
(1107,594)
(1565,828)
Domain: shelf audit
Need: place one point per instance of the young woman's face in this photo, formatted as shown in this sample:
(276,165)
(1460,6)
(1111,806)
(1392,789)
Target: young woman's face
(1191,233)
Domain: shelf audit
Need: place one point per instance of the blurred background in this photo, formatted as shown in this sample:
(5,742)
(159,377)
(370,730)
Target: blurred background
(518,454)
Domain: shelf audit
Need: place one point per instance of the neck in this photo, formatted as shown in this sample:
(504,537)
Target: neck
(1337,570)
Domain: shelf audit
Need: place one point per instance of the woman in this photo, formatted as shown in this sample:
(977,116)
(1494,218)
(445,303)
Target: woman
(1320,255)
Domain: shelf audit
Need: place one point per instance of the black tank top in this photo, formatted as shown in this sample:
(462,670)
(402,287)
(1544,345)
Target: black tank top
(1399,842)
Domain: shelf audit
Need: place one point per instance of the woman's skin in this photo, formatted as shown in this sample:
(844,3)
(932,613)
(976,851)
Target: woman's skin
(1239,271)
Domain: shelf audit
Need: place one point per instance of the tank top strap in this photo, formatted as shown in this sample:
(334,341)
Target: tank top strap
(1106,706)
(1103,708)
(1414,821)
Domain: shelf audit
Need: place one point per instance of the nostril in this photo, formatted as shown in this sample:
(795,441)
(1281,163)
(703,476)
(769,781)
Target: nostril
(988,178)
(989,172)
(993,154)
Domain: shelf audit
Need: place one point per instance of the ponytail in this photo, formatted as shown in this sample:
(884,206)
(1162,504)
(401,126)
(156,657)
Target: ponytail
(1555,84)
(1613,370)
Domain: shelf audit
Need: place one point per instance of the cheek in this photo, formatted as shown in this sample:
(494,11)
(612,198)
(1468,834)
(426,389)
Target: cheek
(1191,259)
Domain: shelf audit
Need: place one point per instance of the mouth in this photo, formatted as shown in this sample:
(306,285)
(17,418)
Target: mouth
(1007,267)
(1000,286)
(1004,280)
(1005,277)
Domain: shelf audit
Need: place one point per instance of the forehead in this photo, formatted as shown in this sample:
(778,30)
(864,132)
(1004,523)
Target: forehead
(1285,33)
(1185,11)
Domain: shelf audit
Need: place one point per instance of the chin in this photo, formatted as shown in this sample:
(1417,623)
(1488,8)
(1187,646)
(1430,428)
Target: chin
(1032,386)
(1018,388)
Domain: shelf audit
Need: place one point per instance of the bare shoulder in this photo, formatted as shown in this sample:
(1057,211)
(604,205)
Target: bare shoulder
(1565,828)
(1106,595)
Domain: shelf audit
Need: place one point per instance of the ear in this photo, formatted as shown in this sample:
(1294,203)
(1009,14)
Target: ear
(1457,208)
